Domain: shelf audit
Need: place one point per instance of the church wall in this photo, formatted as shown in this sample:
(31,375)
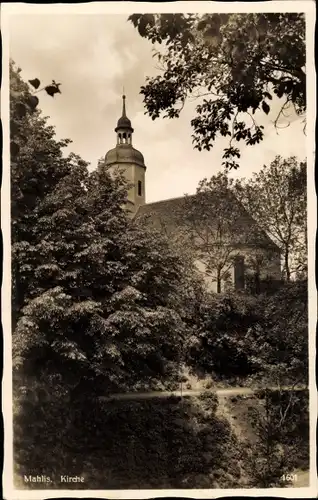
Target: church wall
(272,269)
(271,266)
(211,285)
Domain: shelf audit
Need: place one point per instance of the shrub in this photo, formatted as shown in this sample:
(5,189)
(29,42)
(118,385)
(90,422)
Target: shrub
(132,444)
(221,345)
(281,424)
(263,338)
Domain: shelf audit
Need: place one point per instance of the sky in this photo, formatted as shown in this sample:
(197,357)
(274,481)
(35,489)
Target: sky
(94,56)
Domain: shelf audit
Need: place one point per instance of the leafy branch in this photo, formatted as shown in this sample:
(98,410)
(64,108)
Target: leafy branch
(26,103)
(235,63)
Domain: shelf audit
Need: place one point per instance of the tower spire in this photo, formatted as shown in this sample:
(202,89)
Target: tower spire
(124,129)
(124,104)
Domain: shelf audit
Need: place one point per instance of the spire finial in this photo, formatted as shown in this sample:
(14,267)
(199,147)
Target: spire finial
(124,103)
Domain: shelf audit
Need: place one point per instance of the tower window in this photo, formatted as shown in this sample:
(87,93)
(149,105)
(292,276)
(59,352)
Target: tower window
(139,188)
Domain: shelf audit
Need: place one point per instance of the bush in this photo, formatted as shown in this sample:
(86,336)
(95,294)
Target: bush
(263,338)
(132,444)
(221,345)
(281,424)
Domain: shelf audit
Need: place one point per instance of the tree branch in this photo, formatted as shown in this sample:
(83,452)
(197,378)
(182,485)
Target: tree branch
(281,113)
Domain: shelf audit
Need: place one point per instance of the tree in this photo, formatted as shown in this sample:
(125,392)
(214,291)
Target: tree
(258,276)
(24,102)
(233,63)
(93,292)
(280,421)
(263,338)
(276,196)
(211,222)
(37,166)
(98,308)
(280,339)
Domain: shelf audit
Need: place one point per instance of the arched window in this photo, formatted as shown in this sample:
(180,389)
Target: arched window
(139,188)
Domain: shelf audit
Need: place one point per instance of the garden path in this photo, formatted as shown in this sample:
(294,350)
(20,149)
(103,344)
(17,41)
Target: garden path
(227,392)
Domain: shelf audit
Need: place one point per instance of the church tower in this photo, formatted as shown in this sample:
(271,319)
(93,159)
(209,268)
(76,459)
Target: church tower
(125,158)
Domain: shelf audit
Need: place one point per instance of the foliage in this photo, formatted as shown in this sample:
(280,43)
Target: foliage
(23,102)
(192,288)
(233,63)
(97,303)
(281,424)
(277,198)
(159,443)
(211,222)
(262,337)
(92,292)
(255,283)
(281,337)
(36,169)
(221,343)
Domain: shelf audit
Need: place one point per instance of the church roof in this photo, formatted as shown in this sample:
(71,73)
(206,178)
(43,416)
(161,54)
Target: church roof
(162,207)
(167,213)
(166,209)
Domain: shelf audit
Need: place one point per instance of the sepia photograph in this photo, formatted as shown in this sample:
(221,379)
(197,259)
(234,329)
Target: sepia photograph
(159,218)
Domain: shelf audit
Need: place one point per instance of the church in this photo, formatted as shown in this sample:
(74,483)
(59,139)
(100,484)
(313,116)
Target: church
(166,214)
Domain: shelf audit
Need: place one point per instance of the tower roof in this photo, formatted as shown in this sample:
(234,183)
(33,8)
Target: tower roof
(124,153)
(124,122)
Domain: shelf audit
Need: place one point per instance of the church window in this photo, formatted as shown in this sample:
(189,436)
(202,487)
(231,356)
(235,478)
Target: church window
(139,188)
(239,273)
